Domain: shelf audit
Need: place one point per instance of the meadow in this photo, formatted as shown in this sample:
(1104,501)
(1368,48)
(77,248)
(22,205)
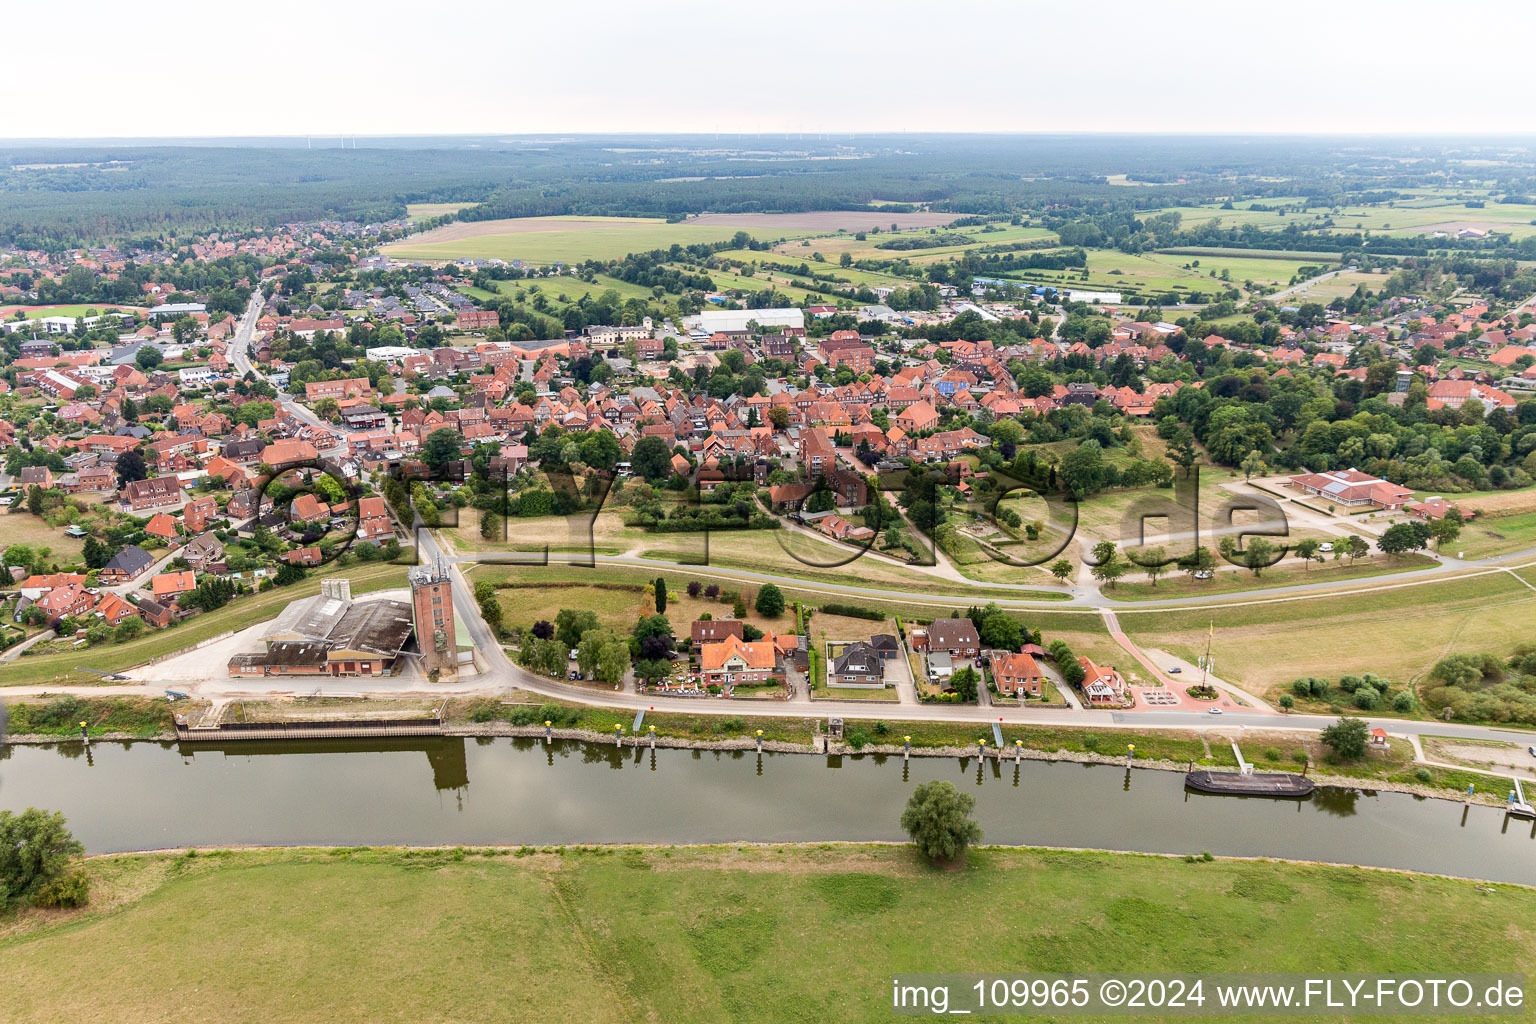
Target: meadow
(1395,631)
(717,933)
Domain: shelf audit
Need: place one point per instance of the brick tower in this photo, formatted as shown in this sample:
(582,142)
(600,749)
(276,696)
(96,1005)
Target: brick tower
(432,609)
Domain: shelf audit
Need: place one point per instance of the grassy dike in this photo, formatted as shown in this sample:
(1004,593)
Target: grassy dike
(808,933)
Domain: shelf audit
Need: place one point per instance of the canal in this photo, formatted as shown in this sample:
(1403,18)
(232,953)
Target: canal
(133,796)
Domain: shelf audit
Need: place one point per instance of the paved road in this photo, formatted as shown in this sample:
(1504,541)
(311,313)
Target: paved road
(240,357)
(1081,597)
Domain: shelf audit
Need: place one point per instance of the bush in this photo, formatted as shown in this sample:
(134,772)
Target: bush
(1423,775)
(72,889)
(1347,738)
(35,850)
(1403,702)
(1366,698)
(858,739)
(853,611)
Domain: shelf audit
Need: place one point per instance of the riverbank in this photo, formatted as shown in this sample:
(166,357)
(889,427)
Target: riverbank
(1168,750)
(701,933)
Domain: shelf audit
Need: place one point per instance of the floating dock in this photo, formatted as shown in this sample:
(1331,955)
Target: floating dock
(1275,784)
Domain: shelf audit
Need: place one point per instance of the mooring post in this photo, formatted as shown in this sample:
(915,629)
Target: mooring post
(1130,752)
(1470,787)
(906,748)
(85,736)
(653,737)
(759,741)
(618,735)
(981,749)
(1018,751)
(548,733)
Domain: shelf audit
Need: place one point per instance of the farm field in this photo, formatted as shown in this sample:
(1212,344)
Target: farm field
(1338,287)
(1112,270)
(570,239)
(425,211)
(831,247)
(1424,215)
(1396,632)
(697,934)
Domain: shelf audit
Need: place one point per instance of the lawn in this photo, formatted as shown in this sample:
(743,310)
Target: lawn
(567,239)
(240,613)
(1398,633)
(1486,536)
(701,934)
(21,527)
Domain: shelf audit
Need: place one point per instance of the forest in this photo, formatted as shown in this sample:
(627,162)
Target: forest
(152,191)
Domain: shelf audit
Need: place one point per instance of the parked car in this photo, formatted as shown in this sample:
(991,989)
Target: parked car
(1174,670)
(1213,711)
(1205,574)
(1531,751)
(1325,546)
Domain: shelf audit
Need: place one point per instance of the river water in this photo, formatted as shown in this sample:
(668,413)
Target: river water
(432,791)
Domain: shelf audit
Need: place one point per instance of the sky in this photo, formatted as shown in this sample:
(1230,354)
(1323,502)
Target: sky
(97,68)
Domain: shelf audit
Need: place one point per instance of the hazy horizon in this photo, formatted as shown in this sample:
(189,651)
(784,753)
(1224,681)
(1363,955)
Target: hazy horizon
(594,67)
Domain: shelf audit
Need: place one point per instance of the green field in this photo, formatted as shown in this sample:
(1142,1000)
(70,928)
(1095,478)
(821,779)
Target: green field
(77,310)
(1427,213)
(708,934)
(1112,270)
(1397,633)
(563,290)
(589,238)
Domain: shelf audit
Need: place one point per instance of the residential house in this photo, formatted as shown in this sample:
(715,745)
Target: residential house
(144,494)
(1018,674)
(713,631)
(860,665)
(956,637)
(734,661)
(168,585)
(126,566)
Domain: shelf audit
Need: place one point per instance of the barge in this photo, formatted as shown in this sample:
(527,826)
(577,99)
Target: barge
(1273,784)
